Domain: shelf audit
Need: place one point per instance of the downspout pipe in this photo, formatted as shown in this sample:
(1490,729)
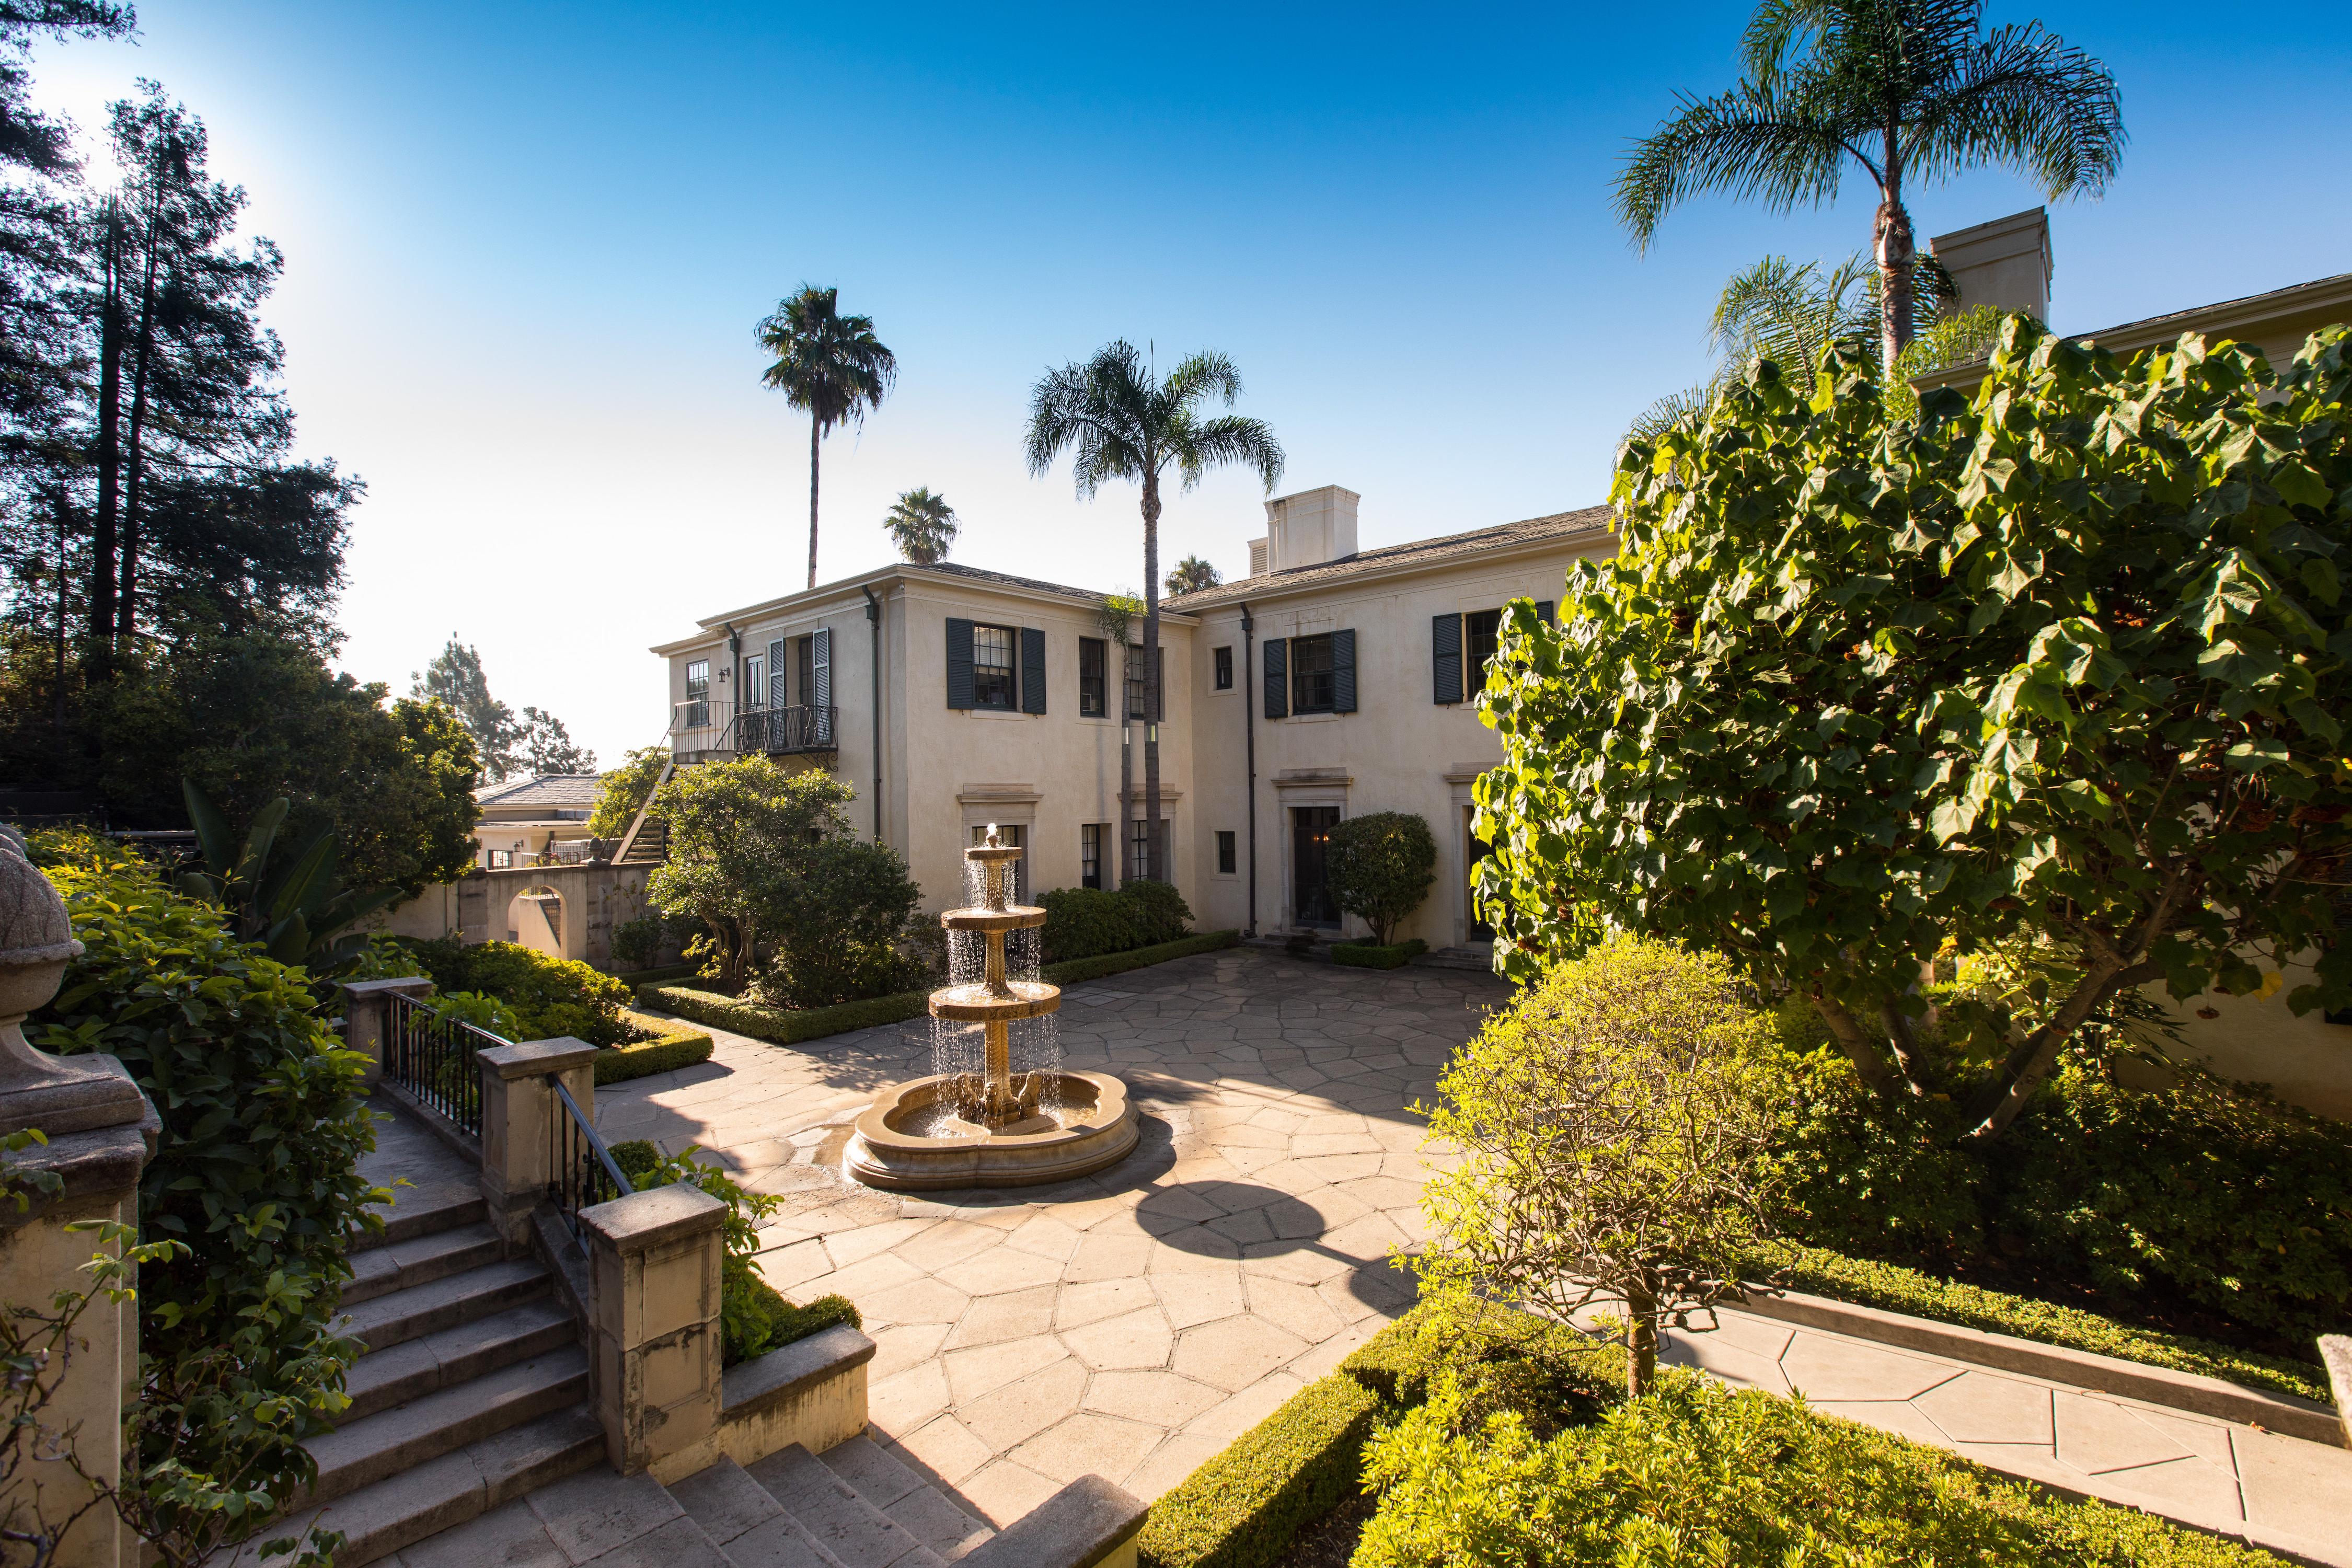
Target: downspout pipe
(734,676)
(874,622)
(1249,750)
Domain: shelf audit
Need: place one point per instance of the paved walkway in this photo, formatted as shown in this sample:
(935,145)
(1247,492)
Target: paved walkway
(1134,1323)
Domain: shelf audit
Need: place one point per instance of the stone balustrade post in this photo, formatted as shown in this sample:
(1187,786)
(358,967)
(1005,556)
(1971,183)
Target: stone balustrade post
(100,1132)
(654,1355)
(519,1112)
(367,1016)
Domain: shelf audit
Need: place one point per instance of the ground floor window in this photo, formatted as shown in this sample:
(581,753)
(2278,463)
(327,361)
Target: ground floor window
(1226,855)
(1142,854)
(1090,853)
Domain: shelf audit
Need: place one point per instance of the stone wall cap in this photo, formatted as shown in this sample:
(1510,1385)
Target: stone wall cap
(533,1056)
(1078,1527)
(104,1162)
(404,985)
(788,1369)
(651,1218)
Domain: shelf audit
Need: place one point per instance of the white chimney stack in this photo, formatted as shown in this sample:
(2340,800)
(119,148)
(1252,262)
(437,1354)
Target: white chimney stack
(1308,529)
(2004,263)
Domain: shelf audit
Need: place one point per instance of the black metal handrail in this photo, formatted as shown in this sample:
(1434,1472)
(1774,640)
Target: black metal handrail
(584,1173)
(793,729)
(431,1055)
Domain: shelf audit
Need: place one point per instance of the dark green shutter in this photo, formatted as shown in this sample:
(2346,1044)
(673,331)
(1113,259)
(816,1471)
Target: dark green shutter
(1277,677)
(959,664)
(1343,672)
(1543,611)
(1033,671)
(1445,659)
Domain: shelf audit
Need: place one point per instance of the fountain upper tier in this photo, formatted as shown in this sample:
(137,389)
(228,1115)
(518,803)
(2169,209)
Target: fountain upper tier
(1016,917)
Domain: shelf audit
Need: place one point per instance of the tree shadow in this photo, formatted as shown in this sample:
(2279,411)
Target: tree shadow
(1242,1220)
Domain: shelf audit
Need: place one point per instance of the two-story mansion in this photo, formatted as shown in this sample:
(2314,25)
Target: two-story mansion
(1330,682)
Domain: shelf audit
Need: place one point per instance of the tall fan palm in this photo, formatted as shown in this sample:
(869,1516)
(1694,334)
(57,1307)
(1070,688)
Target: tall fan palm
(923,525)
(1913,90)
(1119,422)
(829,363)
(1192,575)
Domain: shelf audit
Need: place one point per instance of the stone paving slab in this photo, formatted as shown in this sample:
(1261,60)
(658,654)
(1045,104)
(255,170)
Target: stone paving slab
(1132,1323)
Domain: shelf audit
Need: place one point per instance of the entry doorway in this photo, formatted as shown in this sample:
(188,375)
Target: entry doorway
(1477,929)
(1310,888)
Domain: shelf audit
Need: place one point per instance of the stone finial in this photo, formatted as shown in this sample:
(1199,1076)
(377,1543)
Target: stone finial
(37,1089)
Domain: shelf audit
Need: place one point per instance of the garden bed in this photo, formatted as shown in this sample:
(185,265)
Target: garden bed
(1372,956)
(667,1046)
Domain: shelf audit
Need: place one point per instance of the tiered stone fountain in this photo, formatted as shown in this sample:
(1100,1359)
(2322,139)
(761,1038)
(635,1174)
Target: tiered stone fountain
(994,1127)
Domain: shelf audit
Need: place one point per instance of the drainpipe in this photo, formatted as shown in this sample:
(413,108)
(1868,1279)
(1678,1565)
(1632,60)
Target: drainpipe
(1249,749)
(734,675)
(874,621)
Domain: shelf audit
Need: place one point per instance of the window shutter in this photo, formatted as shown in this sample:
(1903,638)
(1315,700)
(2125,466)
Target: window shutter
(1343,672)
(1543,611)
(776,695)
(821,667)
(1445,659)
(1277,677)
(959,664)
(1032,669)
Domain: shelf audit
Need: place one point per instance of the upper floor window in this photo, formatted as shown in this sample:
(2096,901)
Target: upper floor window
(1480,631)
(1093,701)
(992,667)
(1314,674)
(755,680)
(697,692)
(1222,662)
(1135,693)
(1461,645)
(1310,674)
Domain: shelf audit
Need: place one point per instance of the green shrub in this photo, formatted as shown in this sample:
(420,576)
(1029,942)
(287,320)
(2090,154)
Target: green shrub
(826,973)
(1695,1474)
(1081,923)
(1243,1507)
(671,1046)
(1369,955)
(745,1315)
(1158,910)
(1893,1288)
(1381,865)
(780,1026)
(550,996)
(485,1013)
(256,1170)
(638,943)
(754,1313)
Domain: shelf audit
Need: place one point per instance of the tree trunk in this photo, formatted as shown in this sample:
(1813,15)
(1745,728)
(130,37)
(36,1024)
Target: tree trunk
(109,416)
(2012,1085)
(1877,1076)
(1641,1345)
(57,501)
(1119,876)
(1895,257)
(816,433)
(1152,850)
(126,622)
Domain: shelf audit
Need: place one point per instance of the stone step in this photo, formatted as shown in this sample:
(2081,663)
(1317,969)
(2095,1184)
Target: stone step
(919,1507)
(421,1310)
(382,1379)
(360,1453)
(830,1510)
(422,1212)
(750,1527)
(420,1260)
(402,1509)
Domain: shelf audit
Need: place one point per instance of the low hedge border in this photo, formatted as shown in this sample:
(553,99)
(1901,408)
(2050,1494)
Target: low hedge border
(1371,955)
(667,971)
(1893,1288)
(676,1047)
(783,1026)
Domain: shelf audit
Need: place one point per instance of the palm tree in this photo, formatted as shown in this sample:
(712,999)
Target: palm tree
(1121,423)
(923,525)
(1913,90)
(1192,574)
(1116,615)
(829,363)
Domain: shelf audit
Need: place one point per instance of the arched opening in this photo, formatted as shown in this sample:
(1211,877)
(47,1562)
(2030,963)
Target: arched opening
(535,918)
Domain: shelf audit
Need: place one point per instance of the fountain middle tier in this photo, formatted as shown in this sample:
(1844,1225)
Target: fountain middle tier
(979,1003)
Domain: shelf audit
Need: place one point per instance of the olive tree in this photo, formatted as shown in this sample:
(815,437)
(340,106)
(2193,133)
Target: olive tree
(742,836)
(1379,866)
(2064,662)
(1614,1126)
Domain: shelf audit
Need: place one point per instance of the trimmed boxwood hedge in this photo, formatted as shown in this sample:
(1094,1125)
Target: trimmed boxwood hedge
(784,1028)
(1247,1503)
(1893,1288)
(676,1047)
(1371,955)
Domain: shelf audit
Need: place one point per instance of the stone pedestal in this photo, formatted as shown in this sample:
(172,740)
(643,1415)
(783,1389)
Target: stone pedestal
(654,1261)
(101,1131)
(366,1016)
(518,1130)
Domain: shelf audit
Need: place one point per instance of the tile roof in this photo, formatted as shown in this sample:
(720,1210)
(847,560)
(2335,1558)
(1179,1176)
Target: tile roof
(543,789)
(1444,549)
(981,574)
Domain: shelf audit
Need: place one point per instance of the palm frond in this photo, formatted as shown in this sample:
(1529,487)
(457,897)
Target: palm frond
(923,525)
(830,365)
(1754,141)
(2025,98)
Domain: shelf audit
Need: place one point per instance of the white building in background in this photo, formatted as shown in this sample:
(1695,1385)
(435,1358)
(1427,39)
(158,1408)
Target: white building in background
(1331,682)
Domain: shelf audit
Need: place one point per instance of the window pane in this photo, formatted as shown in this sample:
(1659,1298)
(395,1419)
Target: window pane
(1090,848)
(1224,668)
(1225,857)
(755,682)
(992,667)
(1310,674)
(1479,632)
(1135,683)
(1091,704)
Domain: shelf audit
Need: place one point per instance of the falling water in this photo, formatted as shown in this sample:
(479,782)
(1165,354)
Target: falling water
(1035,1043)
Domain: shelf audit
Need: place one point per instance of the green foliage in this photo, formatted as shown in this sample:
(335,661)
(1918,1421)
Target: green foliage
(549,996)
(536,743)
(638,943)
(285,898)
(1381,865)
(1894,1288)
(836,917)
(1614,1123)
(673,1045)
(1082,923)
(1693,1474)
(747,1315)
(923,525)
(625,789)
(2063,662)
(264,1121)
(1158,910)
(755,1318)
(780,1026)
(1368,955)
(486,1013)
(1243,1505)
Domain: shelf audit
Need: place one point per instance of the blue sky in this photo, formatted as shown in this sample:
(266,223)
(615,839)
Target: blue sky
(526,246)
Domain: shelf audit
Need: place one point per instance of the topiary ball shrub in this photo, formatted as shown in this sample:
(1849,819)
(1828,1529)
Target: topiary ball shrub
(1159,910)
(1380,867)
(1085,922)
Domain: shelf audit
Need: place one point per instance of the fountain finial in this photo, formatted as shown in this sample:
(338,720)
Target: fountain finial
(992,843)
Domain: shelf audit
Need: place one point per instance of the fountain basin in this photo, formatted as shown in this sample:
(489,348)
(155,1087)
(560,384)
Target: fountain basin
(976,1004)
(1096,1128)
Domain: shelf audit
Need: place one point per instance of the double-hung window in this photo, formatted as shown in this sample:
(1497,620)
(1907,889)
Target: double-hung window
(1090,850)
(1092,699)
(992,667)
(697,693)
(1481,630)
(1135,691)
(1222,669)
(1311,687)
(755,680)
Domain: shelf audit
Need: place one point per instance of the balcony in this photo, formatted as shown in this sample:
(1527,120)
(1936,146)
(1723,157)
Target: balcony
(708,728)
